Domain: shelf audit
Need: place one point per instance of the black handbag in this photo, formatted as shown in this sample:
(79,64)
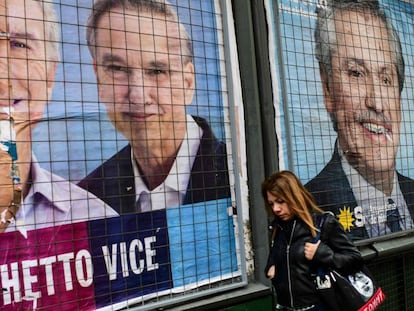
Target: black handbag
(354,292)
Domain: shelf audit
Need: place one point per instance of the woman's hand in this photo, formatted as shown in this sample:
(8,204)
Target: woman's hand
(271,272)
(310,249)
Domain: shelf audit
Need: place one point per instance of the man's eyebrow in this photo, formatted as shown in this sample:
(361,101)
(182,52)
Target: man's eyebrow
(108,57)
(24,35)
(159,64)
(358,61)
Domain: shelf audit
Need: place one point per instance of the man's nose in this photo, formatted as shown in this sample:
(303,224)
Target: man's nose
(136,87)
(377,95)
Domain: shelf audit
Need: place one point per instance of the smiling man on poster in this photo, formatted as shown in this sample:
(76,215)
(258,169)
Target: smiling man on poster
(362,74)
(142,57)
(30,196)
(41,214)
(170,183)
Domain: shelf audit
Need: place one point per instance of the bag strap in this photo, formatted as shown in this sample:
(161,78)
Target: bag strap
(320,220)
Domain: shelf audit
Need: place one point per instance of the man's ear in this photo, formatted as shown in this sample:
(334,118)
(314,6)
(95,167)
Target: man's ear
(189,82)
(327,91)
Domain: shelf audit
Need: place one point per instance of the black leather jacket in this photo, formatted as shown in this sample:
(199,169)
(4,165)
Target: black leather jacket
(293,279)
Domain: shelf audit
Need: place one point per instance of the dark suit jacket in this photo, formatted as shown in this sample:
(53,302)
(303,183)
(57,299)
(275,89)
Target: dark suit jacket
(113,181)
(332,191)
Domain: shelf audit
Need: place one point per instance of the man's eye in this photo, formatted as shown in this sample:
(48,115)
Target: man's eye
(355,73)
(18,44)
(387,81)
(155,72)
(116,68)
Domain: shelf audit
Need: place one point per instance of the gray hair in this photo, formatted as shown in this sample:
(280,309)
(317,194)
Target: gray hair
(162,7)
(52,30)
(325,33)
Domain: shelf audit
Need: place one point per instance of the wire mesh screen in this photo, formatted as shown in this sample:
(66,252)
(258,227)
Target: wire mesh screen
(116,186)
(347,110)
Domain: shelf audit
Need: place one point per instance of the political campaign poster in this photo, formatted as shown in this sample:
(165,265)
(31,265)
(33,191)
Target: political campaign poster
(343,108)
(116,186)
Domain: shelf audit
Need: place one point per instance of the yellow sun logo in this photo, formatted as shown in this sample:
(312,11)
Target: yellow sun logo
(346,218)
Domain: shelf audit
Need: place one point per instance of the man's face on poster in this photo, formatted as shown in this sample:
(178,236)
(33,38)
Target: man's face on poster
(363,93)
(142,78)
(363,284)
(26,77)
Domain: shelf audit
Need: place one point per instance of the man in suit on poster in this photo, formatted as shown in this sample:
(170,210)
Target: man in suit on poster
(142,57)
(30,196)
(362,74)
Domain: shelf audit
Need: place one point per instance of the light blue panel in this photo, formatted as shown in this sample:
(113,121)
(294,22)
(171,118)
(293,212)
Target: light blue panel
(202,241)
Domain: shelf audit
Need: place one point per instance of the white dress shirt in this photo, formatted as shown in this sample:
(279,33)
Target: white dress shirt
(374,203)
(53,201)
(172,191)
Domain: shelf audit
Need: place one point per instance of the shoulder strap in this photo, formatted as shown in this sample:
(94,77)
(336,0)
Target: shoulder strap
(320,220)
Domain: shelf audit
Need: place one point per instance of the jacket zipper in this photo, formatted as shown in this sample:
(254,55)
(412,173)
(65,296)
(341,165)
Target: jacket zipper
(288,263)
